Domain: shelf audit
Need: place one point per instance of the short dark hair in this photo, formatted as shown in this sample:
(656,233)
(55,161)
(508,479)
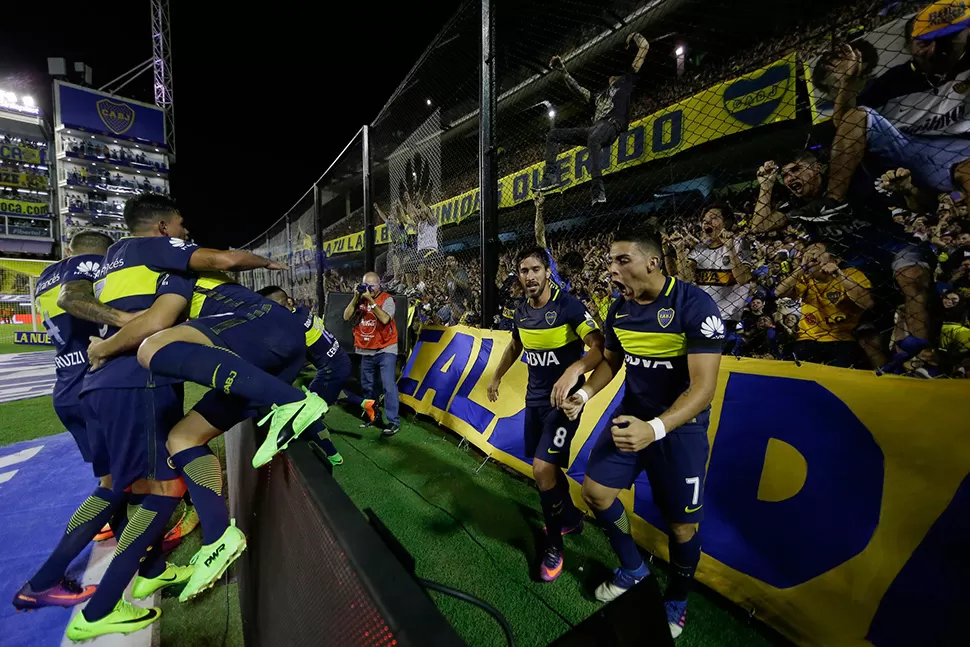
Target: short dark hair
(870,59)
(145,209)
(646,237)
(528,252)
(271,289)
(94,242)
(803,156)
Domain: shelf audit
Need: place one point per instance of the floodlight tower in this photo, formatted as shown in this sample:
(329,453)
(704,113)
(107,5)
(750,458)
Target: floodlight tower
(162,66)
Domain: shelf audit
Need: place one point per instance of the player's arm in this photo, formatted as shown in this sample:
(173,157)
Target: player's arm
(594,356)
(236,260)
(511,355)
(703,370)
(162,314)
(77,299)
(765,218)
(643,46)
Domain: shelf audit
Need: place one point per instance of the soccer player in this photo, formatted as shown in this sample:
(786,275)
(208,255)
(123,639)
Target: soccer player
(71,313)
(669,335)
(247,348)
(332,364)
(552,326)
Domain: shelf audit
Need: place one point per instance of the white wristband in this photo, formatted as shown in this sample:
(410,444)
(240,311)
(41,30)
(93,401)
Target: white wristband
(583,394)
(659,429)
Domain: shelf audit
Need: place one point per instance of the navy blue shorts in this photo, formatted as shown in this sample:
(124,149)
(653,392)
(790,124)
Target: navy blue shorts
(131,426)
(676,467)
(548,434)
(72,417)
(331,378)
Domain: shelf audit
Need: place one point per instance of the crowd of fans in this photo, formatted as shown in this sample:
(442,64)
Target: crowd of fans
(92,149)
(103,179)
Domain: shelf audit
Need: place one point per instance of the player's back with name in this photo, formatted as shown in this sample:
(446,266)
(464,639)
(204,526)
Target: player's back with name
(656,339)
(552,337)
(69,334)
(322,347)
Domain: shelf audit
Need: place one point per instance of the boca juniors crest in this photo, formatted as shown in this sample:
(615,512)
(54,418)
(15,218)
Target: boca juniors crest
(118,117)
(665,317)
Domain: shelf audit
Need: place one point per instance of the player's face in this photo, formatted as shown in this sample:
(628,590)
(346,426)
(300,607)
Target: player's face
(533,277)
(173,227)
(804,180)
(631,268)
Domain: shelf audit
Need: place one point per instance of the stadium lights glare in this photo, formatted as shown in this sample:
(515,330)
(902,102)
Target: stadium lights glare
(428,101)
(27,101)
(679,51)
(552,113)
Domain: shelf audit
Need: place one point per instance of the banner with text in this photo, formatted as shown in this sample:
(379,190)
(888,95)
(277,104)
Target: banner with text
(21,208)
(98,112)
(23,153)
(762,97)
(23,180)
(825,513)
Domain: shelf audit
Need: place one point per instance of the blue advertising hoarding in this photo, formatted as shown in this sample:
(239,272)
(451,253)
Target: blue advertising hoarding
(98,112)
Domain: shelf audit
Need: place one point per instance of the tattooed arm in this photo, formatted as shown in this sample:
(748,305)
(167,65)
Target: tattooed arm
(77,299)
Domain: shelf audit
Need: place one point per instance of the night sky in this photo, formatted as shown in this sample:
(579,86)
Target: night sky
(264,100)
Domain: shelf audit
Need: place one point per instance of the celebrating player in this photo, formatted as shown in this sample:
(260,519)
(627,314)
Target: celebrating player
(247,348)
(552,326)
(669,334)
(332,364)
(65,299)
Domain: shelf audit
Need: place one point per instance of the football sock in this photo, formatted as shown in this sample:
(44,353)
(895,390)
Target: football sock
(223,370)
(120,517)
(683,563)
(202,473)
(570,513)
(85,523)
(617,527)
(327,446)
(552,511)
(353,400)
(145,526)
(187,497)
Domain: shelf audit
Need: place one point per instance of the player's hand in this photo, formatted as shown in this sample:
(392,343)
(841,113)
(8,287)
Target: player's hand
(573,406)
(562,387)
(768,174)
(273,265)
(556,63)
(631,434)
(493,390)
(96,356)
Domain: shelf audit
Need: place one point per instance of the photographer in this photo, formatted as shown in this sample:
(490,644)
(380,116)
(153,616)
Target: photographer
(371,312)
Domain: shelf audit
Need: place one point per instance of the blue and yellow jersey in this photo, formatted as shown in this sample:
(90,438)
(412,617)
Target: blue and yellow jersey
(69,334)
(321,346)
(656,339)
(135,271)
(215,293)
(552,337)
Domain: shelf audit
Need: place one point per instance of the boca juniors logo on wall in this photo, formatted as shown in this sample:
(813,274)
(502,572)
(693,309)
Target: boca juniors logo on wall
(118,117)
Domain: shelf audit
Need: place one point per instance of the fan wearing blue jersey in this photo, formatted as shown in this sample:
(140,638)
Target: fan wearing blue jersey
(553,328)
(669,335)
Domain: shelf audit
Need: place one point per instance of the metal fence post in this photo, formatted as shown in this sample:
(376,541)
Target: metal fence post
(488,170)
(369,233)
(318,238)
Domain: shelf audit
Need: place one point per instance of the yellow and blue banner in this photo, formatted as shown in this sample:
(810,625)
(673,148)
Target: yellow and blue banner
(763,97)
(23,153)
(836,504)
(21,208)
(29,338)
(20,180)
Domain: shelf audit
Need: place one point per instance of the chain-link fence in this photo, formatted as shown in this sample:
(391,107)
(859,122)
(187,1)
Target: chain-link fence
(755,137)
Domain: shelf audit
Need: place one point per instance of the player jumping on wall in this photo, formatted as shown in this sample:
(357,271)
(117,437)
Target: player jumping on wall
(611,117)
(332,364)
(669,335)
(552,326)
(247,348)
